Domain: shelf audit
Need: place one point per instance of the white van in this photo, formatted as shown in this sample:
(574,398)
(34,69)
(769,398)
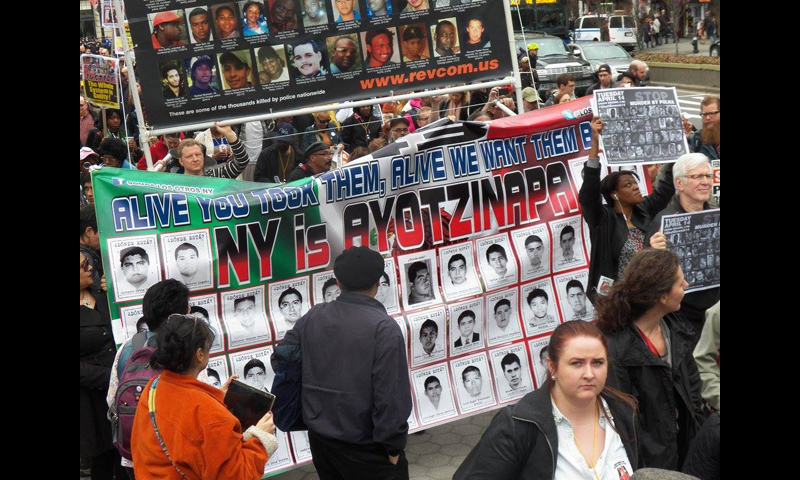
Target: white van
(615,27)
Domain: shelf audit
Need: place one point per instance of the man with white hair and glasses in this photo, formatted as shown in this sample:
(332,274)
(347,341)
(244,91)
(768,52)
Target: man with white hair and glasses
(693,179)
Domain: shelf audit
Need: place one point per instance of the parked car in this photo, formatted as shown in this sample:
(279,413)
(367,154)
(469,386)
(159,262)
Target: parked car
(714,51)
(615,27)
(554,59)
(598,53)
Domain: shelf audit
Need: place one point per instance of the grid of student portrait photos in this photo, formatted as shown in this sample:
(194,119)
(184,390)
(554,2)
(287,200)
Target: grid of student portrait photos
(207,53)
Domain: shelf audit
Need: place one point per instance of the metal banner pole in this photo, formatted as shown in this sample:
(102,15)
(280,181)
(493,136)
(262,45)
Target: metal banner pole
(144,136)
(514,62)
(325,108)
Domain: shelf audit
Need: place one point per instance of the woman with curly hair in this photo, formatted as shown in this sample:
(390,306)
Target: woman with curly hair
(651,355)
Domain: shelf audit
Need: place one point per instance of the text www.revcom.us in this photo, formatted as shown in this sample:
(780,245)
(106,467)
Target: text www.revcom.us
(430,74)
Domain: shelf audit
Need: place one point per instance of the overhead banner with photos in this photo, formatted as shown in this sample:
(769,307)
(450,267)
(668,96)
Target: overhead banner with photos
(228,60)
(485,255)
(100,79)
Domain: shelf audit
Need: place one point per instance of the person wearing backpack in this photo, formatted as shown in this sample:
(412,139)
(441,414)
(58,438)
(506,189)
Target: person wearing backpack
(182,427)
(160,301)
(97,354)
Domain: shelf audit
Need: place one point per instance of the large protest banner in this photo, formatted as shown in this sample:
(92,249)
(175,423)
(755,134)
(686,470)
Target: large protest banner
(214,61)
(490,213)
(100,78)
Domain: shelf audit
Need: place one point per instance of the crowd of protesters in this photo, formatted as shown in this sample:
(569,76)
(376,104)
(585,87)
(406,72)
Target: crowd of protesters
(647,367)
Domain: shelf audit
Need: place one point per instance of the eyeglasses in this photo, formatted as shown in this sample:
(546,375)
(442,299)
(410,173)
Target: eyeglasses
(85,265)
(400,130)
(701,176)
(709,114)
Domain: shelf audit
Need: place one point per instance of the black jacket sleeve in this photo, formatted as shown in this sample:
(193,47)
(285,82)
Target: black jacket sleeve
(391,390)
(704,460)
(261,173)
(589,196)
(498,455)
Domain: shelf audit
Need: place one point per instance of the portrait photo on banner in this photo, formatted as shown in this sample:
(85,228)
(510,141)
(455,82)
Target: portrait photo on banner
(539,310)
(419,280)
(188,258)
(511,372)
(288,301)
(428,336)
(496,261)
(502,316)
(136,266)
(459,275)
(467,321)
(434,394)
(473,381)
(245,317)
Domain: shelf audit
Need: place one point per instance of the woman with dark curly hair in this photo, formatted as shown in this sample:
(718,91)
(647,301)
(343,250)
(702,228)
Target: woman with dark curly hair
(186,427)
(114,153)
(650,351)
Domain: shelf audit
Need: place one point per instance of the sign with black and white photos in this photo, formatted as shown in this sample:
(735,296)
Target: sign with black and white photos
(640,125)
(473,383)
(326,289)
(428,336)
(571,290)
(244,317)
(301,446)
(511,373)
(539,352)
(496,260)
(204,307)
(502,317)
(539,311)
(459,276)
(288,301)
(387,289)
(282,458)
(533,249)
(188,258)
(132,321)
(434,394)
(567,244)
(419,280)
(254,368)
(136,266)
(466,326)
(217,371)
(695,238)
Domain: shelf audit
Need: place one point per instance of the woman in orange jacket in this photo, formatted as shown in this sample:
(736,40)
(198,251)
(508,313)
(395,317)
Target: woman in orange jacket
(196,437)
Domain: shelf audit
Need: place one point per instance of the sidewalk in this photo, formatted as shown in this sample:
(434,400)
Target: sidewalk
(433,455)
(684,48)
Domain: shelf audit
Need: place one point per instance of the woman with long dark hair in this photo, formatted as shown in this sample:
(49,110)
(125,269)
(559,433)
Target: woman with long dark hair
(182,424)
(574,427)
(651,355)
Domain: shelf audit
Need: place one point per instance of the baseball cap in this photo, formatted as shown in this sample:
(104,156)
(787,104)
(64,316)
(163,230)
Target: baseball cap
(165,17)
(604,68)
(86,151)
(529,94)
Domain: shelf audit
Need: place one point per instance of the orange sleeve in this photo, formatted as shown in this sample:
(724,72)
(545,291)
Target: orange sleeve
(224,454)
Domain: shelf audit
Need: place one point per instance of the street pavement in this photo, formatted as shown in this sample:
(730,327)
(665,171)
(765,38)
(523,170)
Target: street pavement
(435,454)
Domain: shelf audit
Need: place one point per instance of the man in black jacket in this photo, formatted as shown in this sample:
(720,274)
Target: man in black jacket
(356,396)
(318,159)
(360,128)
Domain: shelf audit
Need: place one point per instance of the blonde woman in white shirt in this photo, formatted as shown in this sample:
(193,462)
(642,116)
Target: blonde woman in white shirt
(573,428)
